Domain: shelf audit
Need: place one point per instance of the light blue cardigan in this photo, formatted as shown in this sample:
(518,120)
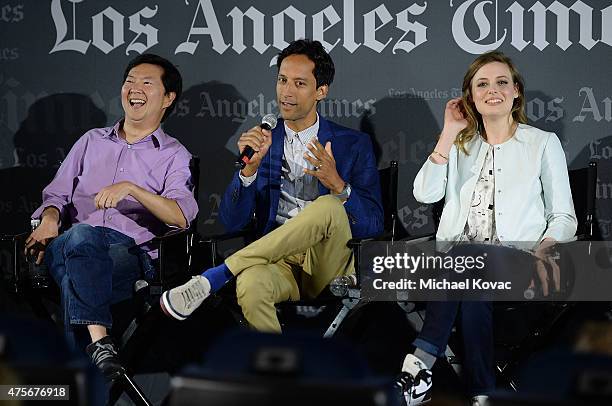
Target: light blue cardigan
(533,199)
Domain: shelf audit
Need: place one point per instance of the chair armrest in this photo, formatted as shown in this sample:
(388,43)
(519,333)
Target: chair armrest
(21,275)
(355,245)
(170,234)
(226,236)
(14,237)
(174,257)
(356,242)
(213,241)
(422,238)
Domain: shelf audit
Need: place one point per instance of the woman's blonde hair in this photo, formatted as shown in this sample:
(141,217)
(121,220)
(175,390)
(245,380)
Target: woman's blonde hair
(472,115)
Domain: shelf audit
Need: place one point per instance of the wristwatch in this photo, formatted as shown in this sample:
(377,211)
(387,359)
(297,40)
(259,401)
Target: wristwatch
(345,193)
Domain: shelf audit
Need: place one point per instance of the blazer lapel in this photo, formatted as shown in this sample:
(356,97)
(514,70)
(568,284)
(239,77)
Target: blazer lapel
(275,158)
(325,132)
(324,135)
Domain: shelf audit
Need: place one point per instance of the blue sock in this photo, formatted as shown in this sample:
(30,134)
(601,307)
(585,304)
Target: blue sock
(217,276)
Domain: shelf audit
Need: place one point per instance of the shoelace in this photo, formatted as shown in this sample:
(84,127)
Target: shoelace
(192,294)
(102,352)
(406,382)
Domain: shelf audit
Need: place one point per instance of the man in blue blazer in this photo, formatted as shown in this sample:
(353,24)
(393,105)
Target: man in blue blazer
(312,185)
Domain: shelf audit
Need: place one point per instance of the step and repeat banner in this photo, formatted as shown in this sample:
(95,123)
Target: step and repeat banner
(397,64)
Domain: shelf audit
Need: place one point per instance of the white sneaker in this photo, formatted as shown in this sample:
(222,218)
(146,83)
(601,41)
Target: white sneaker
(480,400)
(181,301)
(415,381)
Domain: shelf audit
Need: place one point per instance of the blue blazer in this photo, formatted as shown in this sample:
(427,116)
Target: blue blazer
(355,163)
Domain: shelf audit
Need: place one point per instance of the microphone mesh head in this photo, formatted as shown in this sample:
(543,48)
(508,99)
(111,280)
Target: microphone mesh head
(270,119)
(140,284)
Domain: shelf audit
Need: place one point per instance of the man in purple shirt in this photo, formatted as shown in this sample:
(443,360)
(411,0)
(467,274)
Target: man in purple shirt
(118,187)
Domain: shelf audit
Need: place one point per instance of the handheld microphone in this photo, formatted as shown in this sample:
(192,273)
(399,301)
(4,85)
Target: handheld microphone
(268,122)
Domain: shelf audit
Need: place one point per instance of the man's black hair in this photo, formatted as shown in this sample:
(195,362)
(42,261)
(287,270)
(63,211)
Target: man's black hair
(324,69)
(171,78)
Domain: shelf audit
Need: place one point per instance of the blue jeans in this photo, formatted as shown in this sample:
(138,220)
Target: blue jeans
(476,324)
(94,268)
(474,319)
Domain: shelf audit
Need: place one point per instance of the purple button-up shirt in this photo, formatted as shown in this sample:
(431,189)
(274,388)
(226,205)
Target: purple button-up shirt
(158,163)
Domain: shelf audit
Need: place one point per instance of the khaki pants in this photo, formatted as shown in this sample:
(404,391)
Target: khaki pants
(302,255)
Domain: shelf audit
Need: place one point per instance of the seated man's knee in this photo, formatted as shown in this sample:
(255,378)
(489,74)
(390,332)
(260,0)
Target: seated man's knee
(80,233)
(85,240)
(328,209)
(329,203)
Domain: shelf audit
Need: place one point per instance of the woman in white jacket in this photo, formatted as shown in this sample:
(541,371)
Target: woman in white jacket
(502,181)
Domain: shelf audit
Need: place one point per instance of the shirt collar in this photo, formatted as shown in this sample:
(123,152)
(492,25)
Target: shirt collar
(306,134)
(159,136)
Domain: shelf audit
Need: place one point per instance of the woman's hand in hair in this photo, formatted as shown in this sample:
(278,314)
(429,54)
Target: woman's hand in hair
(454,119)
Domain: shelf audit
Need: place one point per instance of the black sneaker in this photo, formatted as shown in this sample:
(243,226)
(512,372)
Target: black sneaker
(415,390)
(104,356)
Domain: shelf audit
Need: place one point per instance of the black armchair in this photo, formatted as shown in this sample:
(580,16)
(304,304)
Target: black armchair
(509,353)
(548,315)
(33,285)
(343,290)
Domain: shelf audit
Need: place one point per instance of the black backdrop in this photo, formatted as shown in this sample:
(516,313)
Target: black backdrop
(398,62)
